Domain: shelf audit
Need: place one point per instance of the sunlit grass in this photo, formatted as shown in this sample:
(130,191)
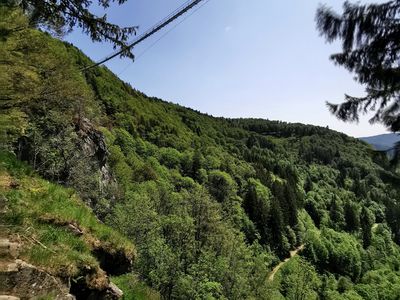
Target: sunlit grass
(134,289)
(38,212)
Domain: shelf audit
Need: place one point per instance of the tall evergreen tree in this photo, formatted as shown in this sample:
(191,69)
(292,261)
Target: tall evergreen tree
(308,186)
(351,215)
(393,219)
(277,233)
(367,221)
(336,213)
(370,37)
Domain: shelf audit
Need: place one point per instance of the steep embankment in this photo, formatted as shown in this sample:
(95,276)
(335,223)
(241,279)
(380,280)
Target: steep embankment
(51,243)
(211,204)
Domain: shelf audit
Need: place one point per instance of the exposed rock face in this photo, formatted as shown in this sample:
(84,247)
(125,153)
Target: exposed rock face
(18,278)
(21,280)
(94,287)
(94,144)
(91,145)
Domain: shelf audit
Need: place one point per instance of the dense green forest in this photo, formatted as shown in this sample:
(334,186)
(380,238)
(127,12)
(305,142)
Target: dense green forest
(211,205)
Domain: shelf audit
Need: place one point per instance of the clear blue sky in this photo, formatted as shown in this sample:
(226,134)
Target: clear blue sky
(237,58)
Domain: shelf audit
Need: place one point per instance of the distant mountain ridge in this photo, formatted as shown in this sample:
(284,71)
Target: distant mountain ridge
(382,142)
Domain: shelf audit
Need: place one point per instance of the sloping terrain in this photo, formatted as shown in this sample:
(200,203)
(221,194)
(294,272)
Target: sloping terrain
(51,242)
(382,142)
(211,204)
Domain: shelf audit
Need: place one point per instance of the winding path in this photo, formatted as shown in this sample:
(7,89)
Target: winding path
(294,253)
(280,265)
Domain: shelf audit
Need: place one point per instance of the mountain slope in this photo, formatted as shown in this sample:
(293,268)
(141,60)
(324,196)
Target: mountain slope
(211,204)
(382,142)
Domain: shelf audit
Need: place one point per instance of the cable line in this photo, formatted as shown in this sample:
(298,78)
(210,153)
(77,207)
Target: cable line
(137,57)
(169,19)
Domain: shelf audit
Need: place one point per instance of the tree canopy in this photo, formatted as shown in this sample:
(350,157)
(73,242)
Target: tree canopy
(62,16)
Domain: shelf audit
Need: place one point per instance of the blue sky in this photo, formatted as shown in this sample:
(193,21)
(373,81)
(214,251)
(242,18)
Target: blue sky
(236,58)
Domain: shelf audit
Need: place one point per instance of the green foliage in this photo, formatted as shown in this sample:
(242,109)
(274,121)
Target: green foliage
(337,252)
(211,204)
(367,220)
(134,289)
(63,17)
(221,185)
(258,206)
(299,280)
(41,212)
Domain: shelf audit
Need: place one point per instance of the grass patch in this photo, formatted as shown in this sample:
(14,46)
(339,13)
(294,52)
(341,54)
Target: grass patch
(40,212)
(134,289)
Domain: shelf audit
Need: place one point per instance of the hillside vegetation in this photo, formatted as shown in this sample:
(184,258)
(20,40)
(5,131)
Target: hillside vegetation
(211,204)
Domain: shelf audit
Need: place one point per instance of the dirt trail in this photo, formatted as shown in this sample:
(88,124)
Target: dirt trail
(294,253)
(280,265)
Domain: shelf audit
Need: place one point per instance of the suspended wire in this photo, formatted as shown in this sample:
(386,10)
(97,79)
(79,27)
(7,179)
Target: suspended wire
(137,57)
(151,28)
(154,26)
(169,19)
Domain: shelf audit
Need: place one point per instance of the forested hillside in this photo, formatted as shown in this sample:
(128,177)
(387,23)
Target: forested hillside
(211,205)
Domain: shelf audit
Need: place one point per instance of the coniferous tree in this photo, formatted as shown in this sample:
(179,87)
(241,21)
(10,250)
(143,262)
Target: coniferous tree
(370,37)
(393,219)
(197,164)
(367,221)
(351,215)
(277,230)
(257,206)
(312,209)
(308,186)
(336,213)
